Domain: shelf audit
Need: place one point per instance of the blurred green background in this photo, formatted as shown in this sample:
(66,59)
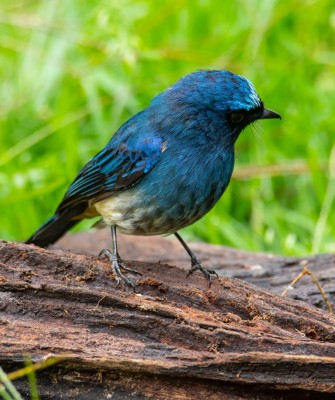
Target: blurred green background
(73,71)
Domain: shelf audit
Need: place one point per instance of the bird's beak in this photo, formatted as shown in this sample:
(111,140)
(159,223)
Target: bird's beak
(268,114)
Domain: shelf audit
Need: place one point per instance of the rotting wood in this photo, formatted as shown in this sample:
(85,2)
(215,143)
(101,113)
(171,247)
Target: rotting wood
(231,340)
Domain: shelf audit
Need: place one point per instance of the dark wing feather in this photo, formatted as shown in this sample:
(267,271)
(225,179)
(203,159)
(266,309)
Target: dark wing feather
(114,169)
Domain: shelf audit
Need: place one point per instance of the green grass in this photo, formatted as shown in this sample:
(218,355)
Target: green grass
(72,72)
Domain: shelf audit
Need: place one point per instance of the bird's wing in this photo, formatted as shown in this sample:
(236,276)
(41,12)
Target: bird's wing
(114,169)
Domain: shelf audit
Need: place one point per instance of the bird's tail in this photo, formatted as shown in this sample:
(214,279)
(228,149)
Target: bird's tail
(56,226)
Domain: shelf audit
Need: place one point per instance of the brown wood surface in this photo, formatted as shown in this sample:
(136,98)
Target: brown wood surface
(174,338)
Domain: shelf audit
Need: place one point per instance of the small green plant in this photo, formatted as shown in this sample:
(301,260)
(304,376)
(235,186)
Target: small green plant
(8,390)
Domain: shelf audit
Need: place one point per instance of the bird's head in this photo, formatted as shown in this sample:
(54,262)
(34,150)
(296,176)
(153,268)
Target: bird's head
(221,101)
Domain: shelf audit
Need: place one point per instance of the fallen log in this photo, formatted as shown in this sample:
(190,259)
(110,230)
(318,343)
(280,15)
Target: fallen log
(175,338)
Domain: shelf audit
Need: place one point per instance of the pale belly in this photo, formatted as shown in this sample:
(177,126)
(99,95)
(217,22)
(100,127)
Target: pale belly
(132,217)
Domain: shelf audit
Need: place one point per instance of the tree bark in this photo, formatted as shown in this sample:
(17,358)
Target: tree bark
(174,338)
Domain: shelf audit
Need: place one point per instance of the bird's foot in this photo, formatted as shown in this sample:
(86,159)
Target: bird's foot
(197,266)
(118,265)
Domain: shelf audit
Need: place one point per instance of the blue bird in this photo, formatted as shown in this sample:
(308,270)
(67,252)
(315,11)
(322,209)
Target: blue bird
(165,167)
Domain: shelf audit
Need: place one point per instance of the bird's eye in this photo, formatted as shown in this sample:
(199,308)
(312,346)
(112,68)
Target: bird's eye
(236,117)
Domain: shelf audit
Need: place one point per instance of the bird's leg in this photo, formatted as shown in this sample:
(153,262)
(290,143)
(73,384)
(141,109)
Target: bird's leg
(195,263)
(118,264)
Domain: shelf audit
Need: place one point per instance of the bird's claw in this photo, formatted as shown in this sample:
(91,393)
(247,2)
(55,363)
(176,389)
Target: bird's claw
(197,266)
(118,266)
